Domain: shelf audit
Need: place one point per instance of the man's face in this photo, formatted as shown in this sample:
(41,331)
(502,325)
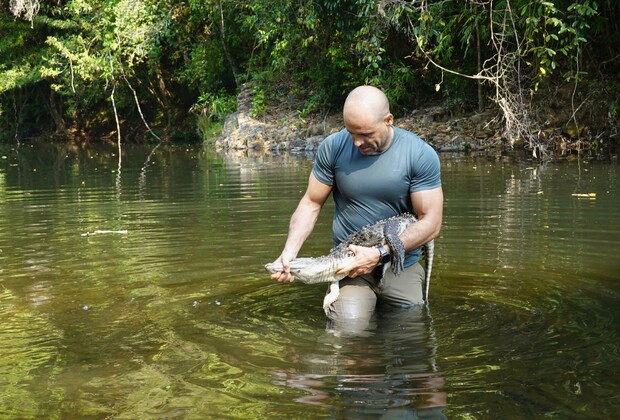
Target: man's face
(370,137)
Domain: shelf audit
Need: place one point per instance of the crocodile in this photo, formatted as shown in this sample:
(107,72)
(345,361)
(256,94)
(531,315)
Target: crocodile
(384,232)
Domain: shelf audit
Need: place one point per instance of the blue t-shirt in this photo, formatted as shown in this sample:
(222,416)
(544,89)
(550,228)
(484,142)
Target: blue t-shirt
(374,187)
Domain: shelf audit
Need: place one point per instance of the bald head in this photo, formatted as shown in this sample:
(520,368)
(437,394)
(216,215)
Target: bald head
(366,102)
(367,118)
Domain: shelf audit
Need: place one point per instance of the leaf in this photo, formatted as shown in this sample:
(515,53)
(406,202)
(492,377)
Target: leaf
(590,196)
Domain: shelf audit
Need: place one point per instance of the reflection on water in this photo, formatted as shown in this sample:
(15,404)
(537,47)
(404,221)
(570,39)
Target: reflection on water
(391,369)
(168,312)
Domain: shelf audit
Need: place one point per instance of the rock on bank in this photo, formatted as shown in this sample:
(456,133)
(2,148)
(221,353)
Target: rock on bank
(437,126)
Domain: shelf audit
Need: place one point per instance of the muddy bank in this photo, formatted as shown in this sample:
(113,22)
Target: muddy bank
(441,128)
(443,132)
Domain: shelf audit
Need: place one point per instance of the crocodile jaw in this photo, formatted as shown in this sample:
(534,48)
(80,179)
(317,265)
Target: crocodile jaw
(315,270)
(318,270)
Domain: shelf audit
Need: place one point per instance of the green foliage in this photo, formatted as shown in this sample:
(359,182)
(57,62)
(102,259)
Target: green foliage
(554,30)
(315,100)
(208,129)
(216,106)
(192,38)
(212,109)
(259,104)
(175,56)
(332,45)
(14,78)
(19,63)
(89,49)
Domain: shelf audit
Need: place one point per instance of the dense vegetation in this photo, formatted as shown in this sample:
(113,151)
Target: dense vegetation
(85,69)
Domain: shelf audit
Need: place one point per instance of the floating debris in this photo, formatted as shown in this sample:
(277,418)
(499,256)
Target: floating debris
(589,196)
(103,232)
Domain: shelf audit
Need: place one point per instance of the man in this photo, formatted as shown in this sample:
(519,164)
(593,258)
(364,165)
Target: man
(374,171)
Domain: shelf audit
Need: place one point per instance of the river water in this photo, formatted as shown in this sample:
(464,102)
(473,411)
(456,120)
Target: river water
(138,291)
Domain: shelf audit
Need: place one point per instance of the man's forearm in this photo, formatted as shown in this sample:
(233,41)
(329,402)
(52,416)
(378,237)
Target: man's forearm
(301,225)
(420,233)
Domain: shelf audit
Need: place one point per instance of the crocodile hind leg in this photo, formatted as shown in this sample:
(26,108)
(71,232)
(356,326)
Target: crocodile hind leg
(331,297)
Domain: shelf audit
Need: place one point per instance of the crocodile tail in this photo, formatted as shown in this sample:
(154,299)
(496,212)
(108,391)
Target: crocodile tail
(429,249)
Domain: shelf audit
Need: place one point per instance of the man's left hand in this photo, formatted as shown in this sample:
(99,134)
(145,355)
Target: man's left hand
(366,259)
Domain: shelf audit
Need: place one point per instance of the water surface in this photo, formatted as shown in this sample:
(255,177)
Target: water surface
(137,291)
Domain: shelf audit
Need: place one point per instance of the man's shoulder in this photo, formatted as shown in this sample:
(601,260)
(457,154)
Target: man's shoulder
(337,137)
(335,143)
(412,140)
(408,136)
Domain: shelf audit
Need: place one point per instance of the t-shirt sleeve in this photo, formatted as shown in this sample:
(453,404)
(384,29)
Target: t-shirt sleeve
(323,168)
(427,172)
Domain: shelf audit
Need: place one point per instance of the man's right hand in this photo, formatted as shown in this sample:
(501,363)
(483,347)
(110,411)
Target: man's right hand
(284,276)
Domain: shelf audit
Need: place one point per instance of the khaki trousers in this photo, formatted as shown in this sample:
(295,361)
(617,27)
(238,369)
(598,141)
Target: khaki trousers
(359,297)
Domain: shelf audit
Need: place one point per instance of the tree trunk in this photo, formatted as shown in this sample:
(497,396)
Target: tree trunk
(55,103)
(479,81)
(229,58)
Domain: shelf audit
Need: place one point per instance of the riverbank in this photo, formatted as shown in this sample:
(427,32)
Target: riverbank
(557,136)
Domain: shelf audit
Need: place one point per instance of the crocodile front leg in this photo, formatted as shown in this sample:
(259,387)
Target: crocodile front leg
(331,297)
(391,233)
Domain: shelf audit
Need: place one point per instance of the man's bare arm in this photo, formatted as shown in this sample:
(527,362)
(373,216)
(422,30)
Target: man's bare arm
(301,224)
(428,206)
